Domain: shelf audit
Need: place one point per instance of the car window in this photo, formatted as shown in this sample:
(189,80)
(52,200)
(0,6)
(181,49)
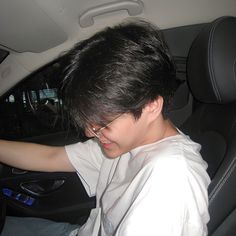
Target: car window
(3,55)
(34,107)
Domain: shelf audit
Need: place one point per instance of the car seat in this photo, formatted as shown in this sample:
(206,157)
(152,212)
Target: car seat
(211,75)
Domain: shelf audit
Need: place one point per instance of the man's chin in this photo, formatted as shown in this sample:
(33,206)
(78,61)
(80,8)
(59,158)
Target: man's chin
(111,154)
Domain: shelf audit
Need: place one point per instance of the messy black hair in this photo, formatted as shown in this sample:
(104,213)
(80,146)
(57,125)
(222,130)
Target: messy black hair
(118,70)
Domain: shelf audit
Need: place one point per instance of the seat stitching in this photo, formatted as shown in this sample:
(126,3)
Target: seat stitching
(211,71)
(232,128)
(222,181)
(226,174)
(234,67)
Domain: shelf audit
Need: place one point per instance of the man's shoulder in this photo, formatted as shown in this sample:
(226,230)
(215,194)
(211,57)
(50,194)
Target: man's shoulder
(178,152)
(173,147)
(90,144)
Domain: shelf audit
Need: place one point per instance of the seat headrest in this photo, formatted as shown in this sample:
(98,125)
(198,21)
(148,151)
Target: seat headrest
(211,65)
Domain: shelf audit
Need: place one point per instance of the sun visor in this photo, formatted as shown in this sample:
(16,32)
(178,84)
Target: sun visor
(29,28)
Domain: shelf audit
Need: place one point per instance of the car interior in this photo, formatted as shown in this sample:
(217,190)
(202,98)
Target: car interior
(31,104)
(211,78)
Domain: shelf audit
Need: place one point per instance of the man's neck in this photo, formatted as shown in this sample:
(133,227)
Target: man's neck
(161,129)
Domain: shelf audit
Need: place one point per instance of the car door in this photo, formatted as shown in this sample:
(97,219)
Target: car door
(33,111)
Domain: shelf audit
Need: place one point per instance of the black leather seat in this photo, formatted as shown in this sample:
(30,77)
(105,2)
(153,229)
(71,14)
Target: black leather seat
(211,70)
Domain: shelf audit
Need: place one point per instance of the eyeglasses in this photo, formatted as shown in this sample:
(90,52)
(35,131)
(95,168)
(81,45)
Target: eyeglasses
(97,132)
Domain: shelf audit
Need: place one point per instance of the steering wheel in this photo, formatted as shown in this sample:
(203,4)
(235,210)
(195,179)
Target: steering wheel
(45,111)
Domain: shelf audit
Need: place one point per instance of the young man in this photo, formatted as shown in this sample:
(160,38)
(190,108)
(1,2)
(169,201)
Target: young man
(148,177)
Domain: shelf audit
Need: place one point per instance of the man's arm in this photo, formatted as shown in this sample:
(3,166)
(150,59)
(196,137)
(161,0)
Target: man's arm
(35,157)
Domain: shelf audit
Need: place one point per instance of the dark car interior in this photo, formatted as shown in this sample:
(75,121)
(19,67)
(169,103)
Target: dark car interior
(203,107)
(211,72)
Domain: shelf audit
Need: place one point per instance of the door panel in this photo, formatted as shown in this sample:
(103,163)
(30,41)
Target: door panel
(66,200)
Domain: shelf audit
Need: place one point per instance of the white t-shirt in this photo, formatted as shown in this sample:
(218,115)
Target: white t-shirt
(156,189)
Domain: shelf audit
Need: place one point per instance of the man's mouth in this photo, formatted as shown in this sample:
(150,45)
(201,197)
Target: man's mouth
(106,144)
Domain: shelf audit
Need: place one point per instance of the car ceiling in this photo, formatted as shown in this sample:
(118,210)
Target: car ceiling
(37,31)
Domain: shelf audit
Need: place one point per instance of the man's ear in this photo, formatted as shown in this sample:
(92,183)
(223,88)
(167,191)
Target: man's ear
(155,107)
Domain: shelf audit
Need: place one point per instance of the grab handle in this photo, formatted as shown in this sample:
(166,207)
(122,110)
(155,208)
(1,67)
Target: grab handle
(133,8)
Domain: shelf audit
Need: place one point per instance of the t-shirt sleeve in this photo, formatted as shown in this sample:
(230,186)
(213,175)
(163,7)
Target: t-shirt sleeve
(87,159)
(167,204)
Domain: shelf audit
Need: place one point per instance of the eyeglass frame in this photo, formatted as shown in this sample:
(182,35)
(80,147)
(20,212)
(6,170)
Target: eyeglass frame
(97,132)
